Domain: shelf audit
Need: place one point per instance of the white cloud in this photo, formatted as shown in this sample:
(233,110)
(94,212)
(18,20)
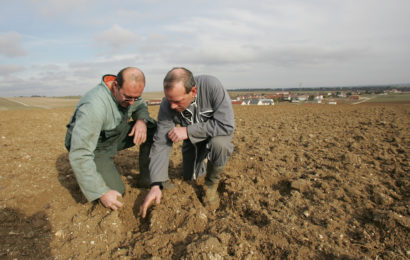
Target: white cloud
(116,39)
(10,45)
(56,8)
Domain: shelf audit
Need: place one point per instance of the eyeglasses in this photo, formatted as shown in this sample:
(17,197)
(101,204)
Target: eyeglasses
(130,99)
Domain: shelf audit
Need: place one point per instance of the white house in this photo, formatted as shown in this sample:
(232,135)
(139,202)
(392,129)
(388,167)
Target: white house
(259,102)
(266,102)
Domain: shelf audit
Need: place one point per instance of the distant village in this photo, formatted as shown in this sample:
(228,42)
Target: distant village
(320,97)
(268,97)
(287,96)
(328,97)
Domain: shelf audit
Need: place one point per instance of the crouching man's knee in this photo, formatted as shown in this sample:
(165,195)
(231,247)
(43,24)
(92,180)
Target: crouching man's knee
(220,149)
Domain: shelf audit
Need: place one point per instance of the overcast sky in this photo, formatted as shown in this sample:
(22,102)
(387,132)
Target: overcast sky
(63,47)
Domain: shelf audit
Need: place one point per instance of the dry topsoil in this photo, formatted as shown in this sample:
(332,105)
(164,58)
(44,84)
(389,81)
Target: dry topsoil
(304,182)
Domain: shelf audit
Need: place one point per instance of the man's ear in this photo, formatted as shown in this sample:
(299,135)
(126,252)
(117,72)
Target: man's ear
(115,84)
(194,90)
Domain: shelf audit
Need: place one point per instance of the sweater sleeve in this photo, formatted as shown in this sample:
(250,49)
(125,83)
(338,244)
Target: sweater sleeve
(162,146)
(84,138)
(221,123)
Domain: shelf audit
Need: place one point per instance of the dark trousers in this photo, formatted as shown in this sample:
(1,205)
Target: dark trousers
(217,149)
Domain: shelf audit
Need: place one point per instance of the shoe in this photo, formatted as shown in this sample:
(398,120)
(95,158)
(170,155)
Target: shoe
(213,174)
(211,198)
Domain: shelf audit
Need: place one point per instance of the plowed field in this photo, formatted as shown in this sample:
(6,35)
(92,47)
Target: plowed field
(304,182)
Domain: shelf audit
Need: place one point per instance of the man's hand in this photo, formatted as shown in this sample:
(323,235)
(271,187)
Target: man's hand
(178,134)
(110,200)
(154,194)
(139,131)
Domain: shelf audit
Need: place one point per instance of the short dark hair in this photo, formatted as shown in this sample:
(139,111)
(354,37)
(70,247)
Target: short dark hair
(179,74)
(120,78)
(135,77)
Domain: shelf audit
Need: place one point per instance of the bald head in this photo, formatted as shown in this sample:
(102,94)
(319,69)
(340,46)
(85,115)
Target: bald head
(130,75)
(128,86)
(177,75)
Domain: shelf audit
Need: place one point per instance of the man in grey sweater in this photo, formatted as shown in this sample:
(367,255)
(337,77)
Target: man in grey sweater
(197,111)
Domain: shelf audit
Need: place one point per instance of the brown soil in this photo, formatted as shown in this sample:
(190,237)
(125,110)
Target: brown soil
(304,182)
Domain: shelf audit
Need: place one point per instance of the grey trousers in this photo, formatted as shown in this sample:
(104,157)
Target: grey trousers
(217,150)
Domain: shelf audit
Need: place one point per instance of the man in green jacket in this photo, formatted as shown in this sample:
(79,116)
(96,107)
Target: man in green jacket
(101,126)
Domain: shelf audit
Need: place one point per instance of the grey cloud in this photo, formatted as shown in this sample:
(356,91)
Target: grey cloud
(48,85)
(298,56)
(46,67)
(10,45)
(9,70)
(77,77)
(228,53)
(13,86)
(97,68)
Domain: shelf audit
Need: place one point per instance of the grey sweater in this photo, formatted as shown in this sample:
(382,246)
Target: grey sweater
(213,117)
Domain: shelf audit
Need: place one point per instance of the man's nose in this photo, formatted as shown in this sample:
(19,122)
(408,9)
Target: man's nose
(173,105)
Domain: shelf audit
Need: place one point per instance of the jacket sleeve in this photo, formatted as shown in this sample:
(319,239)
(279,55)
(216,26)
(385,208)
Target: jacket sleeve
(84,138)
(141,111)
(221,122)
(162,146)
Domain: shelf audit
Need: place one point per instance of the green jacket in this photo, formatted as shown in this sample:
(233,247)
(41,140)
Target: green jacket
(96,114)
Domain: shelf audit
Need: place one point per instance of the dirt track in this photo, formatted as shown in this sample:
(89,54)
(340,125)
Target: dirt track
(304,182)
